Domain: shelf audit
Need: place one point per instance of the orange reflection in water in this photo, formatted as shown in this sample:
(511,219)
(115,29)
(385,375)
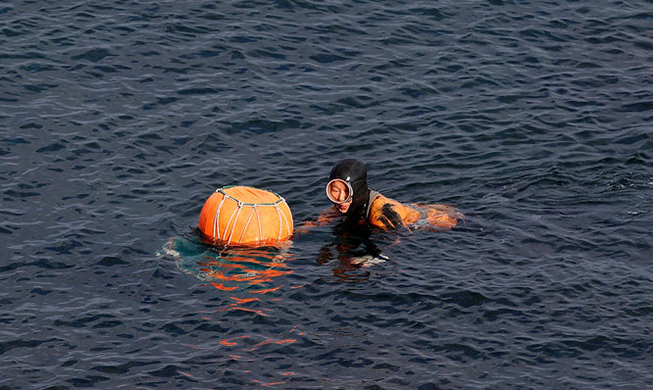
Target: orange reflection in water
(242,268)
(265,291)
(245,347)
(240,305)
(233,341)
(222,287)
(249,281)
(230,268)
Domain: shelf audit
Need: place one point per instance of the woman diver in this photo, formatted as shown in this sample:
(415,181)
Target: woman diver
(348,191)
(364,208)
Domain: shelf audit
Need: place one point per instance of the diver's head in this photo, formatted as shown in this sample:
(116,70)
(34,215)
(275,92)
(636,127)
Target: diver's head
(347,187)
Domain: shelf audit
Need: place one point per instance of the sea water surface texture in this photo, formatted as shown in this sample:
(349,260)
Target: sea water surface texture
(118,119)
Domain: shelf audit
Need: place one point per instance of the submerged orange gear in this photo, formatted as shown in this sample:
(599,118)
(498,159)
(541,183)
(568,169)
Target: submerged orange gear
(239,215)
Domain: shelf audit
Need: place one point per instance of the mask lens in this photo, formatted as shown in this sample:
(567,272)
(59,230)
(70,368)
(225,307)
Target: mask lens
(339,191)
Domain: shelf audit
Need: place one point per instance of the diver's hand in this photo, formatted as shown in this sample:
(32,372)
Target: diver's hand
(369,260)
(325,217)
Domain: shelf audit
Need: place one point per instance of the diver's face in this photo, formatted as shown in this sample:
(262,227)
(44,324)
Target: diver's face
(339,193)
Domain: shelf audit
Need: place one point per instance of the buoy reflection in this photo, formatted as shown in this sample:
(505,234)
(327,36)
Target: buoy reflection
(230,268)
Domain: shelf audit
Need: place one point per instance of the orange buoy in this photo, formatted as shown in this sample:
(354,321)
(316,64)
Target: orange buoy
(240,215)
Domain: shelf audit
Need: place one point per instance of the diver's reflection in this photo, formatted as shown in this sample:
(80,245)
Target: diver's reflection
(350,250)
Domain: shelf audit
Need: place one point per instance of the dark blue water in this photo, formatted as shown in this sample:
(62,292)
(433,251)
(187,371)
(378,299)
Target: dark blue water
(118,119)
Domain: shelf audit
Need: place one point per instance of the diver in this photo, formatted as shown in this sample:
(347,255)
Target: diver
(364,209)
(351,197)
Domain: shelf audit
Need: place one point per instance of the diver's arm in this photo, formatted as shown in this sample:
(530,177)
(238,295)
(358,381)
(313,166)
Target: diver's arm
(324,218)
(387,213)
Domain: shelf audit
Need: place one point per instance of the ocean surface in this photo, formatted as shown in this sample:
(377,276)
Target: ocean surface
(118,119)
